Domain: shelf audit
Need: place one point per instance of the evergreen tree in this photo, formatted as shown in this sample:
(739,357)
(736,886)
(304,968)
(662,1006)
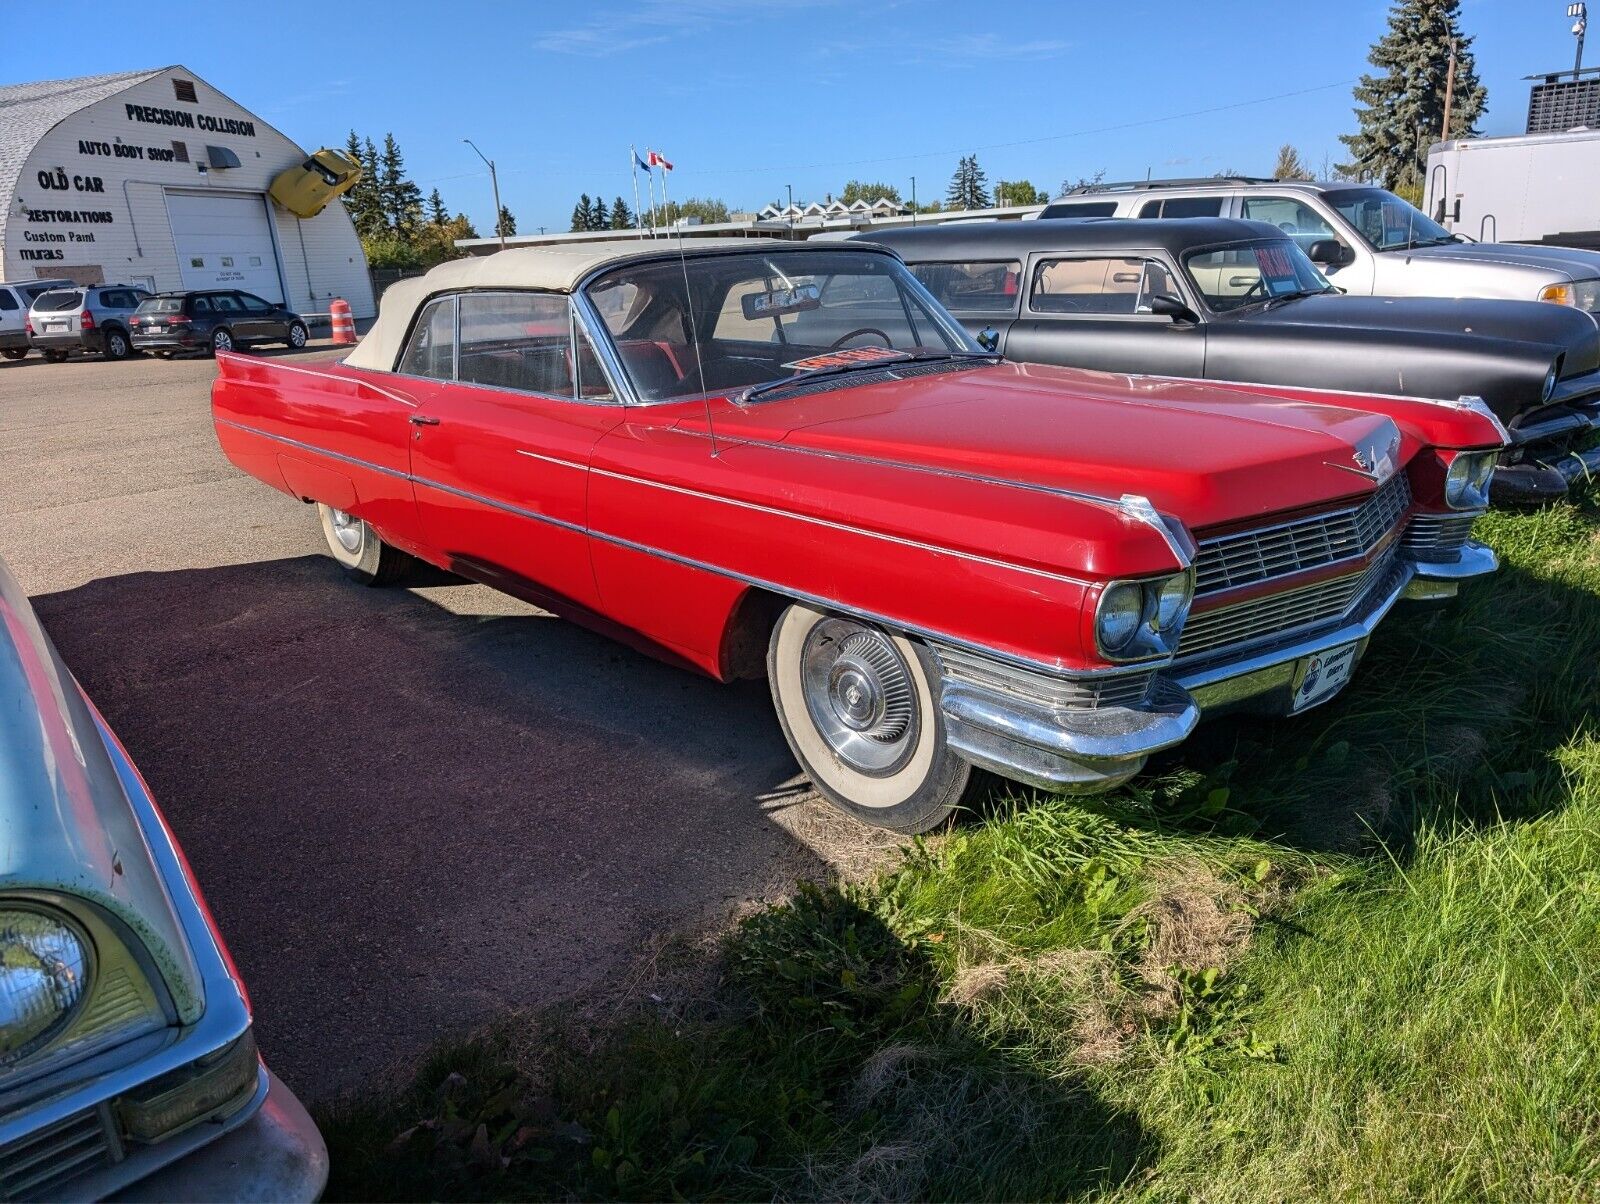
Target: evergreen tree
(582,214)
(599,218)
(402,199)
(365,209)
(621,216)
(968,186)
(1401,110)
(507,225)
(1290,166)
(436,210)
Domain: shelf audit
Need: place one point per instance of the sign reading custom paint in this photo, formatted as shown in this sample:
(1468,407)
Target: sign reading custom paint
(949,561)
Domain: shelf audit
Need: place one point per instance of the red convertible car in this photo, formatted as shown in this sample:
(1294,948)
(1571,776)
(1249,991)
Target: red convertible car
(757,457)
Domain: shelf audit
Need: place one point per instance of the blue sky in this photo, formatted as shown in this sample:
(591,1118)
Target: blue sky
(747,97)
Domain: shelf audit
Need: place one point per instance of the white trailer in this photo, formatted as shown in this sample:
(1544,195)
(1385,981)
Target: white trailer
(1528,188)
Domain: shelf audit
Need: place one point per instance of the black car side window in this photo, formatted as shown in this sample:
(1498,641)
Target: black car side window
(8,300)
(200,305)
(1120,286)
(253,303)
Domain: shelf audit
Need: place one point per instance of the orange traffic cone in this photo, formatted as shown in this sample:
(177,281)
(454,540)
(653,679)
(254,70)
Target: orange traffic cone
(344,326)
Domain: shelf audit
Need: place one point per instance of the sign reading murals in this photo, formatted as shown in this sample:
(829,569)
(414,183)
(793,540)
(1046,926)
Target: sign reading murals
(152,115)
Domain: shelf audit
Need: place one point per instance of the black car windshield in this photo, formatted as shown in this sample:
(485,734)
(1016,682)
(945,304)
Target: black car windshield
(161,305)
(1384,221)
(1252,273)
(760,318)
(59,301)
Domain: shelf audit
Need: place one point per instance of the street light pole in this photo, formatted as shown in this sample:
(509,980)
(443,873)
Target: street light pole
(1579,27)
(494,181)
(790,212)
(913,200)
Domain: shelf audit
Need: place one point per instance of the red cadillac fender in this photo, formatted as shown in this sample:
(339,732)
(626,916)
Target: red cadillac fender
(764,457)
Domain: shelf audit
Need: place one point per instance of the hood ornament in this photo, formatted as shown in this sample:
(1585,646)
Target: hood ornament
(1375,456)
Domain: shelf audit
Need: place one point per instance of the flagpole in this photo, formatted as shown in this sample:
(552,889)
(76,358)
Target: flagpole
(666,214)
(633,165)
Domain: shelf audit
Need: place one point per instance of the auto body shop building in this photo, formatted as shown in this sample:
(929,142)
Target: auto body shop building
(154,178)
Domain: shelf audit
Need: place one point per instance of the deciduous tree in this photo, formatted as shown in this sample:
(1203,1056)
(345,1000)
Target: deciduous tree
(861,190)
(1017,192)
(1401,109)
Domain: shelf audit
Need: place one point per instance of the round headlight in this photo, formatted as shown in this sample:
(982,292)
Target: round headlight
(1172,602)
(1466,481)
(1121,609)
(44,973)
(1549,386)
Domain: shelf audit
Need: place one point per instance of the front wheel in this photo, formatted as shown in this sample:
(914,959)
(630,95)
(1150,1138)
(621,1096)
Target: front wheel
(14,353)
(297,336)
(859,707)
(363,556)
(54,357)
(221,340)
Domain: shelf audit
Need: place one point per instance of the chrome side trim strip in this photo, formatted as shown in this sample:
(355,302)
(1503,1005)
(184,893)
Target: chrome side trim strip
(379,389)
(773,587)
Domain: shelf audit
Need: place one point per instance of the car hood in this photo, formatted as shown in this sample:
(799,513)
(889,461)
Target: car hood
(1204,454)
(1568,261)
(66,825)
(1411,320)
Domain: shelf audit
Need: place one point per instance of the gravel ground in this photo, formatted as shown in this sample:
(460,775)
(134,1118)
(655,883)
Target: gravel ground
(409,809)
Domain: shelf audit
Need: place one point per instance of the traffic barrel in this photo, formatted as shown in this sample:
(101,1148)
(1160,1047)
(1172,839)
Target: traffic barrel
(344,326)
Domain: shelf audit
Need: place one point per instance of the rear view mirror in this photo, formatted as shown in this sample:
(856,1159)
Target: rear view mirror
(1171,307)
(1329,252)
(989,339)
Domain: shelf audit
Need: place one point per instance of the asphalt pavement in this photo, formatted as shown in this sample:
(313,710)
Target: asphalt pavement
(410,809)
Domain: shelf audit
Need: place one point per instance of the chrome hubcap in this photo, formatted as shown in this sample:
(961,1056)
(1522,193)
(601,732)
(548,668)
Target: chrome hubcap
(349,531)
(297,337)
(859,693)
(224,340)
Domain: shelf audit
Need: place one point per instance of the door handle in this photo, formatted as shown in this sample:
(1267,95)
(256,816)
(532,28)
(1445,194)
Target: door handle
(423,420)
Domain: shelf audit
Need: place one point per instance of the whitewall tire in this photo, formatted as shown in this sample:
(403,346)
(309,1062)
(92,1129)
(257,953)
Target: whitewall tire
(358,550)
(859,706)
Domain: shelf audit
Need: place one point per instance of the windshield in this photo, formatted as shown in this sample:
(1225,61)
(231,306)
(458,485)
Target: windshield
(764,317)
(58,302)
(1251,273)
(161,305)
(1384,221)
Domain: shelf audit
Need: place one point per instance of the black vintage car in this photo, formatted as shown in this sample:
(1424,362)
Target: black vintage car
(212,320)
(1229,300)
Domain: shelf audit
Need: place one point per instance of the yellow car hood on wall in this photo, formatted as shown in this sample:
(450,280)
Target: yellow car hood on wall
(306,190)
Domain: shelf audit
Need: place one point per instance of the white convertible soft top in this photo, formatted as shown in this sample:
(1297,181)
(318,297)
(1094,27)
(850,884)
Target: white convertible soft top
(554,268)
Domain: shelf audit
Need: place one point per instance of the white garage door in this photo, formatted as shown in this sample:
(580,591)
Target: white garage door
(224,242)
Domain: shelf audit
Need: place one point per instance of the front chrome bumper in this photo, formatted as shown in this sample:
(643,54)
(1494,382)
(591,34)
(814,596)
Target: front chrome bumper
(1001,725)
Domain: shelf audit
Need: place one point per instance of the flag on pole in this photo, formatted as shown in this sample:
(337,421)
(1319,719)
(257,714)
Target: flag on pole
(657,159)
(641,162)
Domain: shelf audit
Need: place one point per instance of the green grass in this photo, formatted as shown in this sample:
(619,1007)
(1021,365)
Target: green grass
(1348,956)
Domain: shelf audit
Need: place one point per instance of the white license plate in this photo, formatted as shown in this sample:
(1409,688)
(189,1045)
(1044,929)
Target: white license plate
(50,326)
(1324,675)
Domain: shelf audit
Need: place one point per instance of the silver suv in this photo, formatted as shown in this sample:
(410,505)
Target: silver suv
(1366,240)
(91,318)
(14,302)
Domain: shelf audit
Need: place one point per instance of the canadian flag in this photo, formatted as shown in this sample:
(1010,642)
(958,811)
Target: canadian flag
(657,159)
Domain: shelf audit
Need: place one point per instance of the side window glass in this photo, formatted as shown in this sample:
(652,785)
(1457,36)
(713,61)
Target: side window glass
(1150,209)
(1193,206)
(8,300)
(431,351)
(592,382)
(1097,286)
(973,288)
(1296,219)
(253,303)
(200,305)
(519,341)
(225,303)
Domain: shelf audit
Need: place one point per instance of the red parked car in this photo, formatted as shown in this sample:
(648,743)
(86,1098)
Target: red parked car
(768,458)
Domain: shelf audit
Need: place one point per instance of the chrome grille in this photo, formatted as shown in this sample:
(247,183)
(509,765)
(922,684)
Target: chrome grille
(41,1164)
(1059,693)
(1305,543)
(1279,614)
(1437,537)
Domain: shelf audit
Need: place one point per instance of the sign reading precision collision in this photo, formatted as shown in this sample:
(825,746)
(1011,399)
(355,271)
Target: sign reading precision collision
(151,115)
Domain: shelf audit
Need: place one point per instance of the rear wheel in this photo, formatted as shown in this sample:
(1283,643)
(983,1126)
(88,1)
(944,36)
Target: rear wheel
(297,336)
(859,707)
(14,353)
(54,357)
(115,346)
(359,551)
(221,340)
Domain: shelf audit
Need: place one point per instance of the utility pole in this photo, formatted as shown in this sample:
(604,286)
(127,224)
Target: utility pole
(1449,92)
(913,200)
(1580,25)
(494,180)
(790,211)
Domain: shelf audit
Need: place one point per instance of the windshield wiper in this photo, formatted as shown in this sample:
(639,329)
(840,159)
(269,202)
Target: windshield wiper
(1414,243)
(899,357)
(1296,295)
